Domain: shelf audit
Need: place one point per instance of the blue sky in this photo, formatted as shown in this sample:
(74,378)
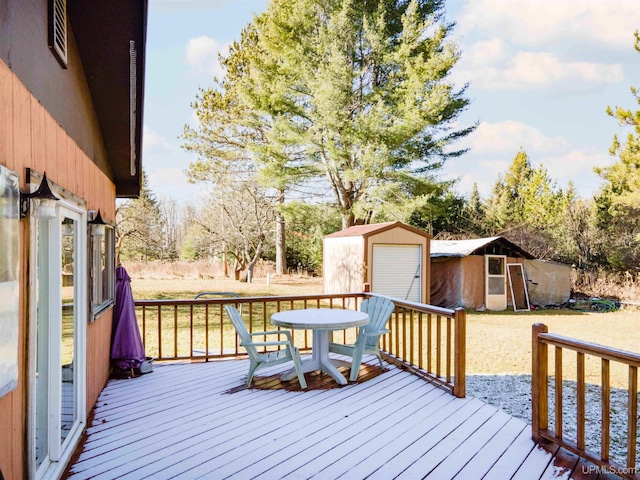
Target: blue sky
(541,75)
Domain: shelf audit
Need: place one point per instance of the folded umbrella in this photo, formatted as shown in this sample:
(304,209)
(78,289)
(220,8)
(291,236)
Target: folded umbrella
(127,350)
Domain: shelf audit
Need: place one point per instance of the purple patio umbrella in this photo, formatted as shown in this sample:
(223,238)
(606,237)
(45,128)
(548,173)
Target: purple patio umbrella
(127,350)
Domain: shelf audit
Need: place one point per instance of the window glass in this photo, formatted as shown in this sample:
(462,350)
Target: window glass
(103,268)
(496,286)
(496,266)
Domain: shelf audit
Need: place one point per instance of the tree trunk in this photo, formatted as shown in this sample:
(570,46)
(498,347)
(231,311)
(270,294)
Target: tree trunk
(254,260)
(348,219)
(281,255)
(225,263)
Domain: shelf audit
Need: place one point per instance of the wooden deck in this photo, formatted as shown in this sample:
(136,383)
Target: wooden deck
(196,420)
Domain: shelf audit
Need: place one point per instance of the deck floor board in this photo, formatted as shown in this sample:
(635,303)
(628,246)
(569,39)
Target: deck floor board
(197,420)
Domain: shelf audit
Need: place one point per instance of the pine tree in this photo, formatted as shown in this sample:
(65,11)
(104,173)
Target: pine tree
(618,201)
(139,226)
(361,88)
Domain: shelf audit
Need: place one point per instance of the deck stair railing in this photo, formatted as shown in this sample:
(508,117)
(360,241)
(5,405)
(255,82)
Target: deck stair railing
(428,340)
(540,398)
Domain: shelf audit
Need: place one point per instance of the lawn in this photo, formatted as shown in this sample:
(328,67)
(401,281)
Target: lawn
(500,343)
(497,342)
(172,288)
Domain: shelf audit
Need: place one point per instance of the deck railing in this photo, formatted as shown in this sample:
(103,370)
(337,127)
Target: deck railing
(425,339)
(540,398)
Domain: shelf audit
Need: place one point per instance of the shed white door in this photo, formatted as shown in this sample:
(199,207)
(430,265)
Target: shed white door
(397,271)
(496,282)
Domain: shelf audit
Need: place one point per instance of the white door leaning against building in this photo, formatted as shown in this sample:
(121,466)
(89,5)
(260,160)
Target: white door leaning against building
(397,271)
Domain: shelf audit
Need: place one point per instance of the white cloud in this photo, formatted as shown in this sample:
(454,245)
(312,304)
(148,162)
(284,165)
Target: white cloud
(171,183)
(201,54)
(496,167)
(167,177)
(485,52)
(537,70)
(195,121)
(509,136)
(562,160)
(493,147)
(576,165)
(465,183)
(543,22)
(152,141)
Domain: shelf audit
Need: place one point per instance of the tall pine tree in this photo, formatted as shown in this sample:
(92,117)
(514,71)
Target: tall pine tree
(618,201)
(361,90)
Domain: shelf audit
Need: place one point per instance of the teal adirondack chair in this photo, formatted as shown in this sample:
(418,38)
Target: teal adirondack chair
(259,360)
(379,310)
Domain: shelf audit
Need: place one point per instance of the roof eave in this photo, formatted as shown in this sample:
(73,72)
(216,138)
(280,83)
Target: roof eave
(103,31)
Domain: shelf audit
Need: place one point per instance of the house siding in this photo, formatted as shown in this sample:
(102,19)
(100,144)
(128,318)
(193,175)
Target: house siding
(343,260)
(464,284)
(30,137)
(63,93)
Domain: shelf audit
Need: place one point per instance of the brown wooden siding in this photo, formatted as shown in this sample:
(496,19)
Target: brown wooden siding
(473,280)
(98,353)
(63,92)
(31,138)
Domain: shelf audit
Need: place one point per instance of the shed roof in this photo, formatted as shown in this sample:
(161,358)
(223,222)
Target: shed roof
(476,246)
(371,229)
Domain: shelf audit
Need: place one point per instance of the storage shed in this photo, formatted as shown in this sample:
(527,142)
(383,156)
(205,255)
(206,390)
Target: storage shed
(390,258)
(492,273)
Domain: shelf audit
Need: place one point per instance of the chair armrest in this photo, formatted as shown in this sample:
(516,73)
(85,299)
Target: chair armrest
(379,332)
(265,344)
(286,333)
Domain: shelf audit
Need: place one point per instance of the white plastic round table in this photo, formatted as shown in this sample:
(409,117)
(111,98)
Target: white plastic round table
(322,321)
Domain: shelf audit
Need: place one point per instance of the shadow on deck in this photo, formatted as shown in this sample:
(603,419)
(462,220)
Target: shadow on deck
(197,420)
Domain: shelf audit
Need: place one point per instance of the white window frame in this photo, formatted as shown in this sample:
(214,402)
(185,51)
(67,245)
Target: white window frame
(495,301)
(58,454)
(97,279)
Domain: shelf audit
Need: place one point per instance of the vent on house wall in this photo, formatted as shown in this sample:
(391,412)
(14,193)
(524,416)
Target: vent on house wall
(132,103)
(58,30)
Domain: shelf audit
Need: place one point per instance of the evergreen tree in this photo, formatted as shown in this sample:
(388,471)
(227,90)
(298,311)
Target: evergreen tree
(230,131)
(618,201)
(140,227)
(307,225)
(505,208)
(527,207)
(361,88)
(474,215)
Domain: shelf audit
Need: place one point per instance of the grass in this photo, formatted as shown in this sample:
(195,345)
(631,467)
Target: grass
(172,288)
(221,335)
(500,343)
(497,342)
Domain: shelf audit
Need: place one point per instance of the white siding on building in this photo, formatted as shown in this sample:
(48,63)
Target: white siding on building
(343,265)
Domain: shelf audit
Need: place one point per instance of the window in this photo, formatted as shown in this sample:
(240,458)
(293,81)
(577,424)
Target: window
(9,272)
(58,30)
(102,270)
